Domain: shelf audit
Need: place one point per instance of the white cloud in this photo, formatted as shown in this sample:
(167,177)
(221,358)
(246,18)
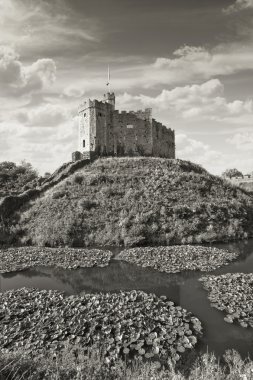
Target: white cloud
(73,92)
(40,27)
(18,78)
(194,150)
(47,115)
(191,63)
(211,159)
(197,101)
(238,6)
(46,150)
(243,141)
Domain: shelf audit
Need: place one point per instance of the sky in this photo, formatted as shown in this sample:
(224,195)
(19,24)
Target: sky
(191,61)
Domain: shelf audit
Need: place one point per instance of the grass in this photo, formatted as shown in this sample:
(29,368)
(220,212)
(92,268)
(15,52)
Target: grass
(75,365)
(138,201)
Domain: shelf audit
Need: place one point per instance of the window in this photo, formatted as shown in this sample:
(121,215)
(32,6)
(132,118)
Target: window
(84,114)
(83,143)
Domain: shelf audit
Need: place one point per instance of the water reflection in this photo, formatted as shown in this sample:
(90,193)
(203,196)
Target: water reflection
(184,289)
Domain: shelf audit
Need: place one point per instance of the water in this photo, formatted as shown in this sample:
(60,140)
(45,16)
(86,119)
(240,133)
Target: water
(184,289)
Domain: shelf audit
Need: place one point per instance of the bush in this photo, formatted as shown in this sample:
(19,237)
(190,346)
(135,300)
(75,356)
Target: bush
(59,194)
(78,178)
(14,179)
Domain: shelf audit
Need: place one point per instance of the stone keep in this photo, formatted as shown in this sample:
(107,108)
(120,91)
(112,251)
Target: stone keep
(104,131)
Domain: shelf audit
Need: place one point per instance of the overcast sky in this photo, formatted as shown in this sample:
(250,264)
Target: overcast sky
(190,60)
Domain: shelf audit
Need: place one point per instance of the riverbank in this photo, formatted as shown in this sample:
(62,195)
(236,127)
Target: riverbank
(126,324)
(175,259)
(19,258)
(75,365)
(232,293)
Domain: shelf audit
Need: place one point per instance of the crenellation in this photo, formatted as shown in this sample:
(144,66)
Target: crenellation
(104,131)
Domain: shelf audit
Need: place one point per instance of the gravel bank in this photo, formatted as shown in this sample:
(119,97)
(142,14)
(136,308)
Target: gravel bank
(16,259)
(233,294)
(175,259)
(127,323)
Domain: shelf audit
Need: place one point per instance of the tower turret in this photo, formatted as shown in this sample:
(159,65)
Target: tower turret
(110,98)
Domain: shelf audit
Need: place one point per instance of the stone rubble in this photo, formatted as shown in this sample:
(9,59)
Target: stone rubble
(131,324)
(175,259)
(19,258)
(233,294)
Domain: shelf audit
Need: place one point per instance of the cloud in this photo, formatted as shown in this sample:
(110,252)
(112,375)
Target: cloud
(16,78)
(194,150)
(45,150)
(47,115)
(238,6)
(197,101)
(73,92)
(191,63)
(45,27)
(243,141)
(212,159)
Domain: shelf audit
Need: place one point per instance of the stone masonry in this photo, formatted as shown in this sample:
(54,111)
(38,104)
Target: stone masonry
(104,131)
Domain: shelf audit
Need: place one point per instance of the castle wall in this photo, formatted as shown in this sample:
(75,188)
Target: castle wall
(84,128)
(132,135)
(163,141)
(106,132)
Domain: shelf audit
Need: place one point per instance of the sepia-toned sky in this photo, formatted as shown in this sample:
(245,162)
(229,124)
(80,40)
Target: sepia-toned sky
(190,60)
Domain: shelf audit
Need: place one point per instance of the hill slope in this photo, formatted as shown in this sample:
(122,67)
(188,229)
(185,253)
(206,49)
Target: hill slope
(135,201)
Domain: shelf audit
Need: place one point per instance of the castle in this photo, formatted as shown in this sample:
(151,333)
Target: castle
(104,131)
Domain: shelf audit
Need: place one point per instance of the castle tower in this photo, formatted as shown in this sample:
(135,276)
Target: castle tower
(110,99)
(85,117)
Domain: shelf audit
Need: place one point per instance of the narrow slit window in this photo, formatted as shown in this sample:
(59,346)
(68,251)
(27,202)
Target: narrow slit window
(83,143)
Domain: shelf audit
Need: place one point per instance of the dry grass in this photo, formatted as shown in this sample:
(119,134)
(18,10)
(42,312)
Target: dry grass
(138,201)
(75,365)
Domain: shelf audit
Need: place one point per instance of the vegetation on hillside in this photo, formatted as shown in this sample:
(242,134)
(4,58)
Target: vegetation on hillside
(14,179)
(231,173)
(138,201)
(73,364)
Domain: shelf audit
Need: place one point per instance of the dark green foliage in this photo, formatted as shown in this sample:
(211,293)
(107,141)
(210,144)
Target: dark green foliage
(230,173)
(139,201)
(14,179)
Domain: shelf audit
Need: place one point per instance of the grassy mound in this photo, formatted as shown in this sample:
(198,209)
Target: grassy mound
(138,201)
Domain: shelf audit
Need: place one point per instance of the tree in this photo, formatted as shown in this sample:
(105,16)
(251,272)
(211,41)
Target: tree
(14,177)
(231,173)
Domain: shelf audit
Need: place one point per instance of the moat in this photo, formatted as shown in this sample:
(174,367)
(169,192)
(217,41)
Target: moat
(182,288)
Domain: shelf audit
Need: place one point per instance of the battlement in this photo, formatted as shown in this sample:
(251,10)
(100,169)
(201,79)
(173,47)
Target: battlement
(104,131)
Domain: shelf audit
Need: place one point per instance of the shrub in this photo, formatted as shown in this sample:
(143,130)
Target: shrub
(78,178)
(59,194)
